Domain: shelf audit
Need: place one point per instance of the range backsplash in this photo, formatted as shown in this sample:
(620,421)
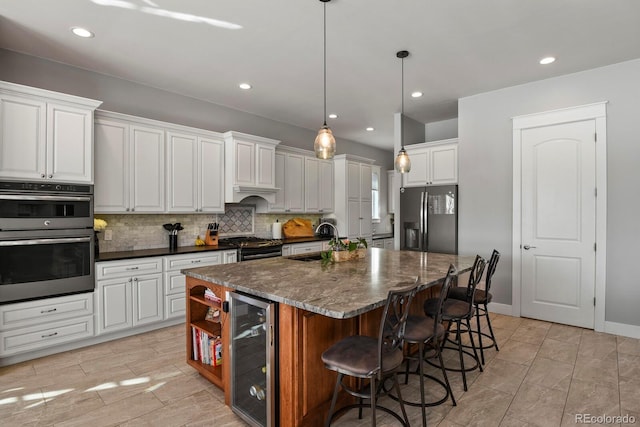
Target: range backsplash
(134,231)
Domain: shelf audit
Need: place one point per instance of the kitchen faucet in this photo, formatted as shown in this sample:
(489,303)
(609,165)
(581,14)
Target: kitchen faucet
(337,236)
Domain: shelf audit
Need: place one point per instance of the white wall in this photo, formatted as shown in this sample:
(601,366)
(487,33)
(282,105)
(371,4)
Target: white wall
(136,99)
(444,129)
(485,173)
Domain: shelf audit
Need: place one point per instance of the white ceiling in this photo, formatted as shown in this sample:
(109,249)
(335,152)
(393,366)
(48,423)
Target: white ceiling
(458,48)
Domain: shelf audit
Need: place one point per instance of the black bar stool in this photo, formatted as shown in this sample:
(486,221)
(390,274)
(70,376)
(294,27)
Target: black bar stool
(426,331)
(456,312)
(368,358)
(480,300)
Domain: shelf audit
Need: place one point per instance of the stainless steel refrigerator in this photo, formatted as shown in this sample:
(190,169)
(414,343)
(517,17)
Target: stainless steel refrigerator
(429,219)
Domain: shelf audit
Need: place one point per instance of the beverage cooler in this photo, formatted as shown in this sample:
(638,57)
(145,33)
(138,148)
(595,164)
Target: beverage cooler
(253,358)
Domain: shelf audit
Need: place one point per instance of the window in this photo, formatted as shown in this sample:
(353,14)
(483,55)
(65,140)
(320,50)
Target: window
(375,195)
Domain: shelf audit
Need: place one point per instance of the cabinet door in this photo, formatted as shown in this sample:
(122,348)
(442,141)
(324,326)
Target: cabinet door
(147,169)
(419,174)
(353,180)
(365,182)
(391,201)
(148,299)
(366,228)
(294,183)
(211,180)
(444,164)
(22,138)
(325,186)
(353,219)
(114,305)
(111,189)
(303,248)
(388,243)
(311,185)
(278,206)
(182,171)
(245,163)
(265,165)
(69,143)
(230,257)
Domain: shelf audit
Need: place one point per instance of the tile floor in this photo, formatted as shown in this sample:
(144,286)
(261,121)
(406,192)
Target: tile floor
(544,375)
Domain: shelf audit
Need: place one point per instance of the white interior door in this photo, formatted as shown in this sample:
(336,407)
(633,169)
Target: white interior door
(559,223)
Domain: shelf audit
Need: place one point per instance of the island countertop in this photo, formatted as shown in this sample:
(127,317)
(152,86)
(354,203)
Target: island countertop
(338,290)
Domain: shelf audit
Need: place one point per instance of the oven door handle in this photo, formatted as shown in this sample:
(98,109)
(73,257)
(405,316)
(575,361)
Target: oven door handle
(54,198)
(53,241)
(260,256)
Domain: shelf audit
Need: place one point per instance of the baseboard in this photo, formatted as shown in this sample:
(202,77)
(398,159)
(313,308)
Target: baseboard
(631,331)
(496,307)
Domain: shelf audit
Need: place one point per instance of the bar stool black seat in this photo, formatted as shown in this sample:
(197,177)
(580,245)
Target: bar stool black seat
(458,312)
(481,299)
(426,331)
(375,360)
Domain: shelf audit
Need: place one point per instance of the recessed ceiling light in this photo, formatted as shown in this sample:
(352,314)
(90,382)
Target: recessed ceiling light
(333,116)
(416,94)
(548,60)
(82,32)
(370,129)
(245,86)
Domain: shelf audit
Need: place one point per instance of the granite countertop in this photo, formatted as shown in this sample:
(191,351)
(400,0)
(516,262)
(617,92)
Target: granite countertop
(339,290)
(145,253)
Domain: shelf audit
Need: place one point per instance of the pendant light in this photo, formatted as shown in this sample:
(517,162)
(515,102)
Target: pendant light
(325,143)
(402,163)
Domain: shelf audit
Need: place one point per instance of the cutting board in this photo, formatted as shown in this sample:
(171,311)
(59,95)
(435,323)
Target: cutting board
(297,227)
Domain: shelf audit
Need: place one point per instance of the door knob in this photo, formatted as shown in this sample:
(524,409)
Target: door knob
(527,247)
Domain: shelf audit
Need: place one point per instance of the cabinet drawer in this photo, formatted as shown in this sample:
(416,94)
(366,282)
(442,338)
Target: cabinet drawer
(111,269)
(175,306)
(302,248)
(178,262)
(46,310)
(42,336)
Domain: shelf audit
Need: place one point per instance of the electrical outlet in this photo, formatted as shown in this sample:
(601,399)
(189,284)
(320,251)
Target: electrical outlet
(108,234)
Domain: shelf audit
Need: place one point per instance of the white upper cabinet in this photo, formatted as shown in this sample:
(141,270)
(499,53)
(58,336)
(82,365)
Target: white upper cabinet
(45,135)
(305,183)
(318,184)
(130,163)
(250,167)
(353,196)
(195,166)
(432,163)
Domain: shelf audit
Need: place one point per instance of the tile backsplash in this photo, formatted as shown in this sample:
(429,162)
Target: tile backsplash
(145,231)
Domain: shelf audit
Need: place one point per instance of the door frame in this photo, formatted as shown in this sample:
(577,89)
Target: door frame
(597,112)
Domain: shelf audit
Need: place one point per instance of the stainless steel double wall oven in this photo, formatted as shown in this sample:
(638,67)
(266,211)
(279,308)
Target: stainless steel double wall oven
(46,240)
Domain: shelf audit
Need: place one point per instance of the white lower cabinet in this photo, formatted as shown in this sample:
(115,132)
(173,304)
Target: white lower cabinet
(34,325)
(128,293)
(302,248)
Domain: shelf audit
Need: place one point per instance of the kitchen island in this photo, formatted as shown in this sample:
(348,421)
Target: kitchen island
(318,305)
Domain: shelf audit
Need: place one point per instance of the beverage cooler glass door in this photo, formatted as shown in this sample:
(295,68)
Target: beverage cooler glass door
(253,359)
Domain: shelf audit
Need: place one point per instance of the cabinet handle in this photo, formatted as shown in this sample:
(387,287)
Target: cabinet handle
(135,279)
(42,175)
(48,311)
(50,335)
(127,209)
(132,268)
(195,261)
(130,280)
(133,209)
(50,176)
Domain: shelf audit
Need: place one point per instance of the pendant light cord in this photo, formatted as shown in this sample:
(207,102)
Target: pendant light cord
(402,105)
(325,61)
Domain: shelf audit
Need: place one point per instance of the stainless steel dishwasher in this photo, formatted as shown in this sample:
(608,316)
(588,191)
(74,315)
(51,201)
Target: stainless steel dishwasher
(253,358)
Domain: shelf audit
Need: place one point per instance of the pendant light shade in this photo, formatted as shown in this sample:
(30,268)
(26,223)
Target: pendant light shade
(402,162)
(325,143)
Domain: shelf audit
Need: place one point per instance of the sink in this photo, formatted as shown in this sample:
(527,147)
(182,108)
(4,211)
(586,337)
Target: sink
(314,256)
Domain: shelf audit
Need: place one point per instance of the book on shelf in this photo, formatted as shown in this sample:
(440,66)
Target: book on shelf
(209,295)
(206,348)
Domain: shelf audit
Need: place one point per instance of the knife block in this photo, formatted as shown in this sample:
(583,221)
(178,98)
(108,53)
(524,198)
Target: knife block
(211,238)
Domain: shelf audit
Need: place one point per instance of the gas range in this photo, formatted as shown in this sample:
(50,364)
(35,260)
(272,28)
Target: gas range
(251,247)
